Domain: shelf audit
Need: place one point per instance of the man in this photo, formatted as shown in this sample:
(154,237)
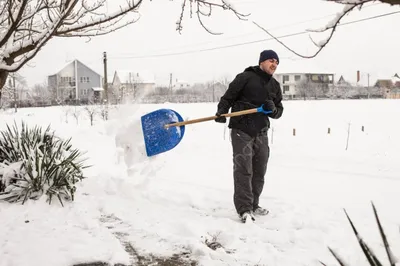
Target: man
(252,88)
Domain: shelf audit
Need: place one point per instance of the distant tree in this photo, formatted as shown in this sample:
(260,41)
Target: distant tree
(27,25)
(345,91)
(304,89)
(6,96)
(92,111)
(162,90)
(225,80)
(12,91)
(42,94)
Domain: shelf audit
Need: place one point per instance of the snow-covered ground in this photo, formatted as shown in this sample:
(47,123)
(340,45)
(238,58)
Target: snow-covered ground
(171,203)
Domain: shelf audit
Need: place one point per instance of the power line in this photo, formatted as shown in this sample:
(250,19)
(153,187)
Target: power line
(252,33)
(249,42)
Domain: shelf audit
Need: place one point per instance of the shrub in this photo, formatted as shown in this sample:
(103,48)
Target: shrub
(34,162)
(369,254)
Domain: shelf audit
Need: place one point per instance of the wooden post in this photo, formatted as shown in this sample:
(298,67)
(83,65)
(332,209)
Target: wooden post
(348,137)
(362,128)
(329,130)
(294,132)
(272,136)
(105,84)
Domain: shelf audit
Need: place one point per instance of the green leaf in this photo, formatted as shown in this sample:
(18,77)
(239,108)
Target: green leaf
(49,165)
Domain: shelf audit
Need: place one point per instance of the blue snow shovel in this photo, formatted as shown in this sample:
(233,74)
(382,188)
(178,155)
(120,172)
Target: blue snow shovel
(163,129)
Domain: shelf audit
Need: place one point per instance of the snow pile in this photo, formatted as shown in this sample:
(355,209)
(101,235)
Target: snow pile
(178,201)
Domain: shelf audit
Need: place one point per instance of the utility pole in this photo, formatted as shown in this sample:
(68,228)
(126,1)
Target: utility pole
(105,75)
(170,82)
(170,87)
(213,90)
(358,79)
(105,82)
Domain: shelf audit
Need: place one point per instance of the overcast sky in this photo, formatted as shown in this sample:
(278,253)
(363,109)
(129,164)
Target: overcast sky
(153,44)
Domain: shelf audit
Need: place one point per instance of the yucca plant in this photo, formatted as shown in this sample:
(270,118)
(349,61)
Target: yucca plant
(369,254)
(34,162)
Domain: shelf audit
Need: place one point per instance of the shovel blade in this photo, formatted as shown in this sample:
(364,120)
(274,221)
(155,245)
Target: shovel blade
(158,139)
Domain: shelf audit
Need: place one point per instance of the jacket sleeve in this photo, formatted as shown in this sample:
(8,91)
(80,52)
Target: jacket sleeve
(232,93)
(278,104)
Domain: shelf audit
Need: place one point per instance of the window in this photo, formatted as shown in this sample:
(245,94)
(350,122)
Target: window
(285,78)
(297,77)
(285,88)
(84,79)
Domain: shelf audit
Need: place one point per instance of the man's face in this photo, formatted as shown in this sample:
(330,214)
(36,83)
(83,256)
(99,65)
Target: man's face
(269,66)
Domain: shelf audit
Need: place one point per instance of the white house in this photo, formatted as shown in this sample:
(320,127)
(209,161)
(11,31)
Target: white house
(128,85)
(291,82)
(180,84)
(75,82)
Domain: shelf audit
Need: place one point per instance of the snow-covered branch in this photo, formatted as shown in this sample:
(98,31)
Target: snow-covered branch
(27,25)
(331,26)
(349,5)
(203,8)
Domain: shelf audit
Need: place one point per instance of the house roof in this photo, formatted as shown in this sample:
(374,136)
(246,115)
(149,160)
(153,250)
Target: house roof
(342,80)
(395,78)
(129,76)
(384,83)
(71,62)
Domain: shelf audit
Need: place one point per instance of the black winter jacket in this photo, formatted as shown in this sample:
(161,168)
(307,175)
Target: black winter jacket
(250,89)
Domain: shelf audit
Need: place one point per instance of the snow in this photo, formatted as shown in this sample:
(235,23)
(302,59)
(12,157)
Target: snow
(229,4)
(339,15)
(172,202)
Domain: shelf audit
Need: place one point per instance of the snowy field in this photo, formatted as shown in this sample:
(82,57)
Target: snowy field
(171,203)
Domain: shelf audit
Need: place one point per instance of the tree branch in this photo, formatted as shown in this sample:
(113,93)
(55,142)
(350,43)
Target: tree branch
(331,26)
(27,25)
(99,22)
(200,4)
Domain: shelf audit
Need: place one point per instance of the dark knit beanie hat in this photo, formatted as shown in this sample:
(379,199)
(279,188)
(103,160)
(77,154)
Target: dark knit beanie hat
(268,54)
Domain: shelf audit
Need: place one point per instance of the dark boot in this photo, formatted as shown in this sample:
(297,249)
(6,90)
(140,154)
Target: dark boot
(260,211)
(247,216)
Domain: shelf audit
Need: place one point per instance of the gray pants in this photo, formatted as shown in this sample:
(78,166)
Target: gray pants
(250,158)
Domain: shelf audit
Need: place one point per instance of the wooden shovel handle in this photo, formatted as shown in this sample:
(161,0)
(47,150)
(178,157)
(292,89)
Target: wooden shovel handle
(187,122)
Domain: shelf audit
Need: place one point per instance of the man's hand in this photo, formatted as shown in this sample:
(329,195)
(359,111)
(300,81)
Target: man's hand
(269,106)
(220,119)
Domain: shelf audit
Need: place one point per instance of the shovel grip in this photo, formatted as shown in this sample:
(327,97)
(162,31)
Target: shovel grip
(193,121)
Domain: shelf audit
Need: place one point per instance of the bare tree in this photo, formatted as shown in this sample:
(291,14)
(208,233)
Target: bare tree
(92,111)
(13,91)
(7,96)
(27,25)
(225,80)
(76,112)
(331,26)
(304,89)
(42,94)
(67,110)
